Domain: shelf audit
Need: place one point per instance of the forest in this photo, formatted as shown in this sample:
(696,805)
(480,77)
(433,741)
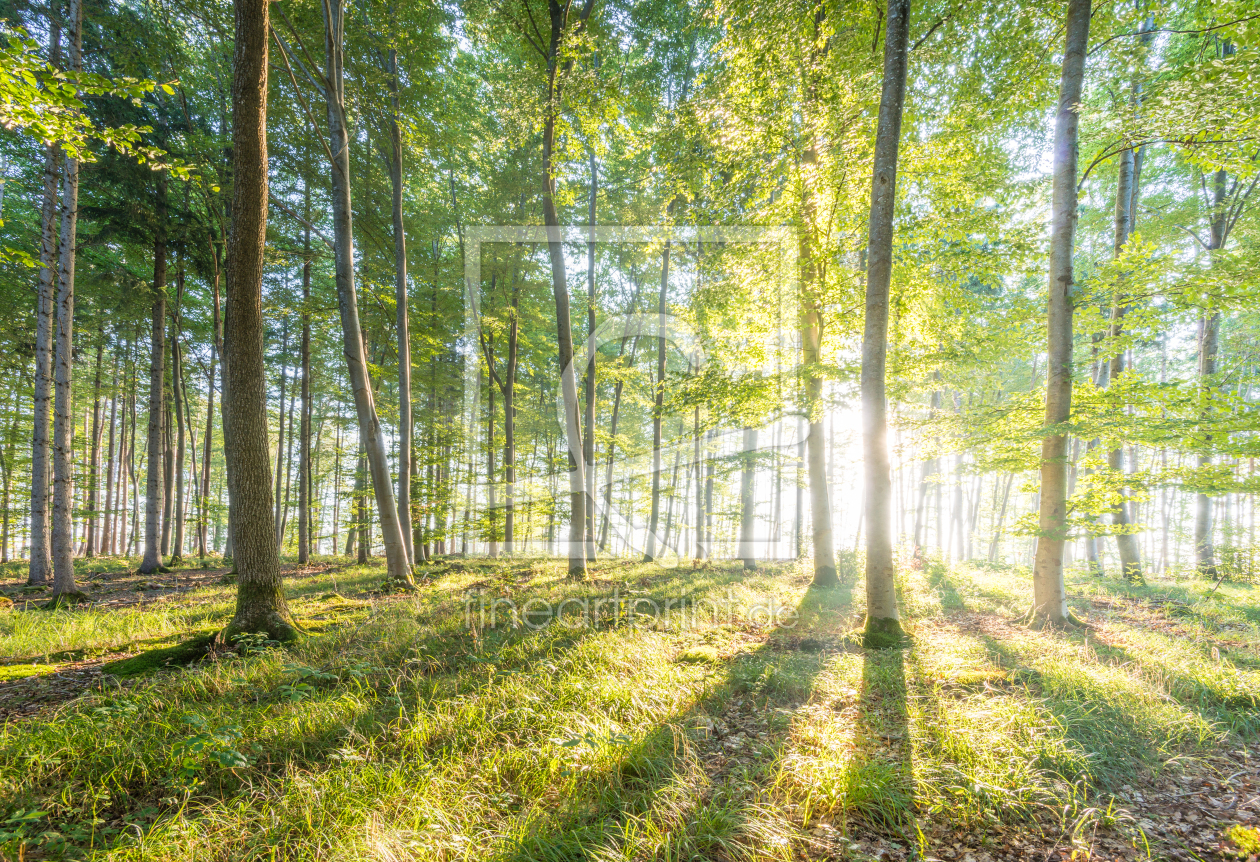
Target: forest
(596,430)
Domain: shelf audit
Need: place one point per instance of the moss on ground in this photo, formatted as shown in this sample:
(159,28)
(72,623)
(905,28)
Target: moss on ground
(187,652)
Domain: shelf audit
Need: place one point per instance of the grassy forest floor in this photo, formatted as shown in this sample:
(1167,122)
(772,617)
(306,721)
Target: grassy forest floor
(395,730)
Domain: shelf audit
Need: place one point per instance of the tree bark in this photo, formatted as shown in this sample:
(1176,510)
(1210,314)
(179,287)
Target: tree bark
(405,426)
(558,13)
(658,406)
(1209,337)
(304,446)
(747,505)
(41,555)
(177,386)
(152,561)
(260,602)
(811,346)
(1126,542)
(883,626)
(64,587)
(398,563)
(588,424)
(94,464)
(1049,595)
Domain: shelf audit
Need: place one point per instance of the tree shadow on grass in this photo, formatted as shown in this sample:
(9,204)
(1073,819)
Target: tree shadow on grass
(697,784)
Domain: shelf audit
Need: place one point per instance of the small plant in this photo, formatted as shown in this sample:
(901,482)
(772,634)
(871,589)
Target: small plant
(220,745)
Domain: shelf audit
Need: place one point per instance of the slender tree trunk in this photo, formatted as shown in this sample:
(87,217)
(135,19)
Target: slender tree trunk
(398,563)
(658,407)
(260,603)
(1126,541)
(811,343)
(304,448)
(1049,595)
(405,425)
(509,420)
(1209,336)
(747,505)
(288,479)
(883,626)
(588,426)
(177,385)
(558,14)
(362,527)
(41,467)
(107,526)
(94,466)
(152,561)
(699,463)
(216,349)
(63,408)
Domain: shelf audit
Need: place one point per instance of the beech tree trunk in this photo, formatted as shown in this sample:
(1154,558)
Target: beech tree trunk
(64,587)
(260,603)
(811,351)
(1049,595)
(558,14)
(177,386)
(398,563)
(152,561)
(658,407)
(588,420)
(883,626)
(747,505)
(1126,542)
(304,446)
(94,464)
(405,426)
(41,467)
(1209,336)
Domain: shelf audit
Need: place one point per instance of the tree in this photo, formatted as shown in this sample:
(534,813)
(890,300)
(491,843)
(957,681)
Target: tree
(260,602)
(883,626)
(62,541)
(1049,595)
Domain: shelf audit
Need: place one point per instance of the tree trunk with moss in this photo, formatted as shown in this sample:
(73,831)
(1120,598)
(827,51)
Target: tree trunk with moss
(260,602)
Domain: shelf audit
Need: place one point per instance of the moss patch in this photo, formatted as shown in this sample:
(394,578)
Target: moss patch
(22,671)
(187,652)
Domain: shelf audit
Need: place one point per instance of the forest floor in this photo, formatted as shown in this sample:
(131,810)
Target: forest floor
(502,712)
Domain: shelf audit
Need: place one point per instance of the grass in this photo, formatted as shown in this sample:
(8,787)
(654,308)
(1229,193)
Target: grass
(410,727)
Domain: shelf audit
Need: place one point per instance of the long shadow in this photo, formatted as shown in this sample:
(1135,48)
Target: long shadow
(684,788)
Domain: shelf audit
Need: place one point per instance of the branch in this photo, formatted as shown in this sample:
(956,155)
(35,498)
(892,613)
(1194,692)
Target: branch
(297,218)
(293,30)
(319,133)
(932,30)
(1142,142)
(1142,32)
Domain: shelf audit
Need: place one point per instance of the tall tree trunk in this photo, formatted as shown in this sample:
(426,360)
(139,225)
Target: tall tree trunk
(283,523)
(41,434)
(1209,336)
(152,561)
(883,626)
(1126,192)
(812,340)
(107,526)
(284,381)
(698,453)
(260,603)
(747,505)
(509,420)
(177,385)
(398,563)
(558,13)
(64,587)
(405,426)
(363,529)
(216,349)
(94,465)
(1049,595)
(658,406)
(304,447)
(588,424)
